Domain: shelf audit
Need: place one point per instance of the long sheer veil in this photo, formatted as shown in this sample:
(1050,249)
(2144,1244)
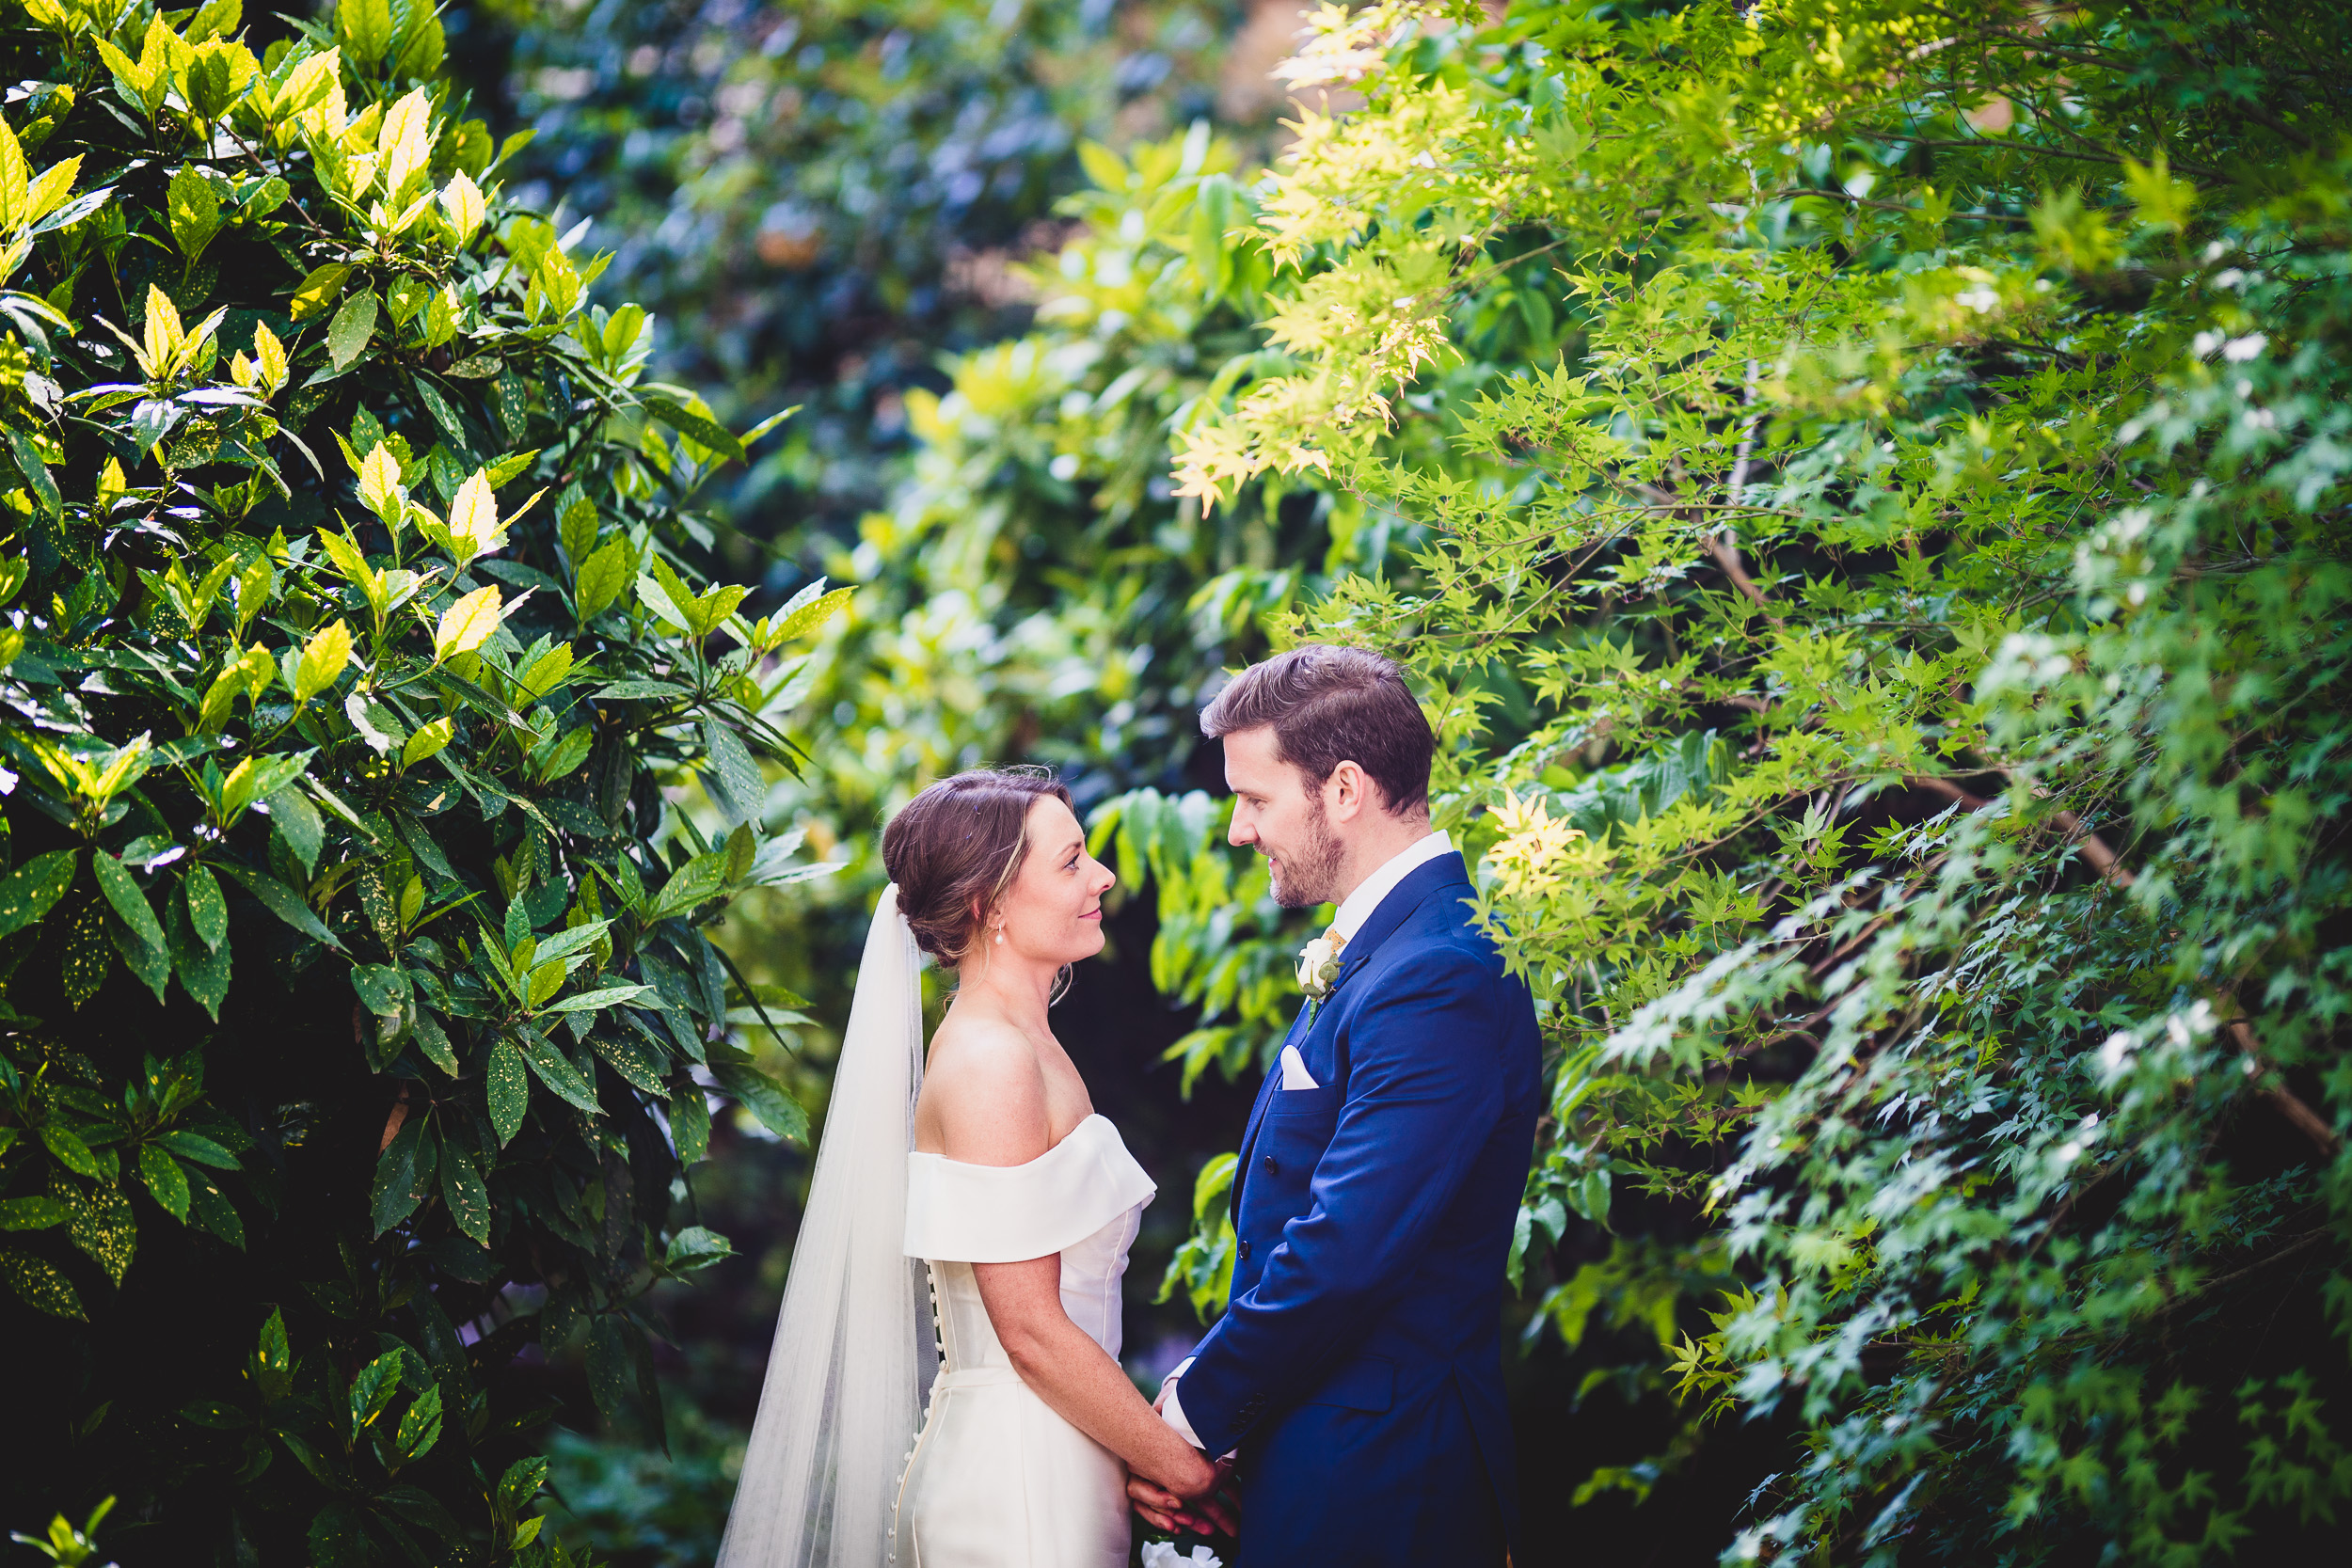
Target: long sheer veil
(854,1355)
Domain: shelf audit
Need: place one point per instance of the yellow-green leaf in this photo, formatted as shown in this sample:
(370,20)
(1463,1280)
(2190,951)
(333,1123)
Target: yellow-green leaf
(467,624)
(323,659)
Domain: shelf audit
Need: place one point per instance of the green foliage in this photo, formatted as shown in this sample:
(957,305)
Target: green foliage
(350,648)
(824,198)
(1880,586)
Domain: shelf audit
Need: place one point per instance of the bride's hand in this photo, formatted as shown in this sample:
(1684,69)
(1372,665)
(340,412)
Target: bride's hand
(1197,1504)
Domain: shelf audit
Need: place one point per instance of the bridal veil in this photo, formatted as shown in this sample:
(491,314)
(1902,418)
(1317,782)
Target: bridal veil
(854,1355)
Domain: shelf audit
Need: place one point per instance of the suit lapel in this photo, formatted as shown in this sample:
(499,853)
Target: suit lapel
(1266,1091)
(1402,900)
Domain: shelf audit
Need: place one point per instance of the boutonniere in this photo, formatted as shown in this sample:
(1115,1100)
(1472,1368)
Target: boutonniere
(1319,965)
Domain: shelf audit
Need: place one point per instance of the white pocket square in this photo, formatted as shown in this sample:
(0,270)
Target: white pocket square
(1295,1073)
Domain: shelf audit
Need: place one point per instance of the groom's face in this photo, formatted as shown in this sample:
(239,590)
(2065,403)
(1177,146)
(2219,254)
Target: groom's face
(1275,809)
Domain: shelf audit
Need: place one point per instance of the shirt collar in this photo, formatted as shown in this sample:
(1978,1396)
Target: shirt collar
(1358,905)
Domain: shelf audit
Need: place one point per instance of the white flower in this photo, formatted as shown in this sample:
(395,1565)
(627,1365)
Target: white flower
(1162,1554)
(1319,965)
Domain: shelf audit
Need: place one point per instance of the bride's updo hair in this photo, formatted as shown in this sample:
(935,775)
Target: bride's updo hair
(956,848)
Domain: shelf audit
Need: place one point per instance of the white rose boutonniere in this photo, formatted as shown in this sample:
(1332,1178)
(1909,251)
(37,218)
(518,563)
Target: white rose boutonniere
(1319,965)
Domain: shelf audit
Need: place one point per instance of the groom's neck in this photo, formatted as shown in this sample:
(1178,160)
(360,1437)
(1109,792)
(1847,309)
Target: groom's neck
(1372,842)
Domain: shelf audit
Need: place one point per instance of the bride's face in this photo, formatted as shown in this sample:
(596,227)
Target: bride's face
(1053,912)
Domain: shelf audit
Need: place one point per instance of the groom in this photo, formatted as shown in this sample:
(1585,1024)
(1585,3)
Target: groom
(1357,1370)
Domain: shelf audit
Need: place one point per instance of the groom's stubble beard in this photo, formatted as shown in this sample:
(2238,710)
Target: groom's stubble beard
(1312,875)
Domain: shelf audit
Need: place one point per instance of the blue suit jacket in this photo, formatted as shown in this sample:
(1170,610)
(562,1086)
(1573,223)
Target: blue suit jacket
(1359,1367)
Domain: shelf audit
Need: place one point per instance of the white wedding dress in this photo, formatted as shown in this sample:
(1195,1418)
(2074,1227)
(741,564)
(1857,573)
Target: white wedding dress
(997,1480)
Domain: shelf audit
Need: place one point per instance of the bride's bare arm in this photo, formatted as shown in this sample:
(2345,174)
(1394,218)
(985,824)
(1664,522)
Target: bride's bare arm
(986,1102)
(1083,1386)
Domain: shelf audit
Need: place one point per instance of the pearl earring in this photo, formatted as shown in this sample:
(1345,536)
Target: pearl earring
(1000,936)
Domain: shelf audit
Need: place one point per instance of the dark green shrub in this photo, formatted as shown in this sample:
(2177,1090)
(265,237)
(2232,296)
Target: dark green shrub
(355,985)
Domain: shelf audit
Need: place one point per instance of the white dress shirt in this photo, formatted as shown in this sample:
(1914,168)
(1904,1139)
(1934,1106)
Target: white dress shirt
(1346,920)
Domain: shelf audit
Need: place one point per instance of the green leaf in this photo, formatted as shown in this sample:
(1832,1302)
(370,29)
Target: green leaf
(318,291)
(103,1226)
(88,949)
(193,208)
(596,1000)
(165,1179)
(36,473)
(40,1284)
(700,428)
(432,1041)
(372,1390)
(70,1152)
(610,1367)
(31,1214)
(298,823)
(742,792)
(469,1200)
(690,1123)
(208,911)
(33,889)
(765,1099)
(509,1090)
(347,335)
(204,971)
(604,576)
(420,1425)
(204,1150)
(148,962)
(383,988)
(403,1173)
(123,891)
(286,903)
(632,1059)
(211,1209)
(696,1247)
(553,1070)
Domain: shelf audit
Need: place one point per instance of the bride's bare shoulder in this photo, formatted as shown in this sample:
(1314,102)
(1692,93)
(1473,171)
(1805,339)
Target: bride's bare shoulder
(984,1099)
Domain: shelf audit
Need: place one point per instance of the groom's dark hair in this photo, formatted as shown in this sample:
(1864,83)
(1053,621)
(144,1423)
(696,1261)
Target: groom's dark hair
(1328,705)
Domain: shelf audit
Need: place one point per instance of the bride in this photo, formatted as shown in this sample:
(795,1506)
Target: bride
(980,1213)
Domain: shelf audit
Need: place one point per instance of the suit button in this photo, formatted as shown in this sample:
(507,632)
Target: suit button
(1245,1252)
(1271,1168)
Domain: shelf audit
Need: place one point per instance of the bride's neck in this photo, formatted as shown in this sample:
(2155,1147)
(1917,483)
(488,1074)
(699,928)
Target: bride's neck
(1014,988)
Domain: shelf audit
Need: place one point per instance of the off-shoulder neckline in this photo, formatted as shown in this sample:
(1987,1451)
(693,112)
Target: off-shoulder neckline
(1068,1139)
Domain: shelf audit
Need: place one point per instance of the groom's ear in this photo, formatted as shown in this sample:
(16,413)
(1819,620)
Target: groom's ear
(1349,792)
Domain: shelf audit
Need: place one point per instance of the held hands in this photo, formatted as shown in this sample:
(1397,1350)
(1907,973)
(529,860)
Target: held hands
(1201,1503)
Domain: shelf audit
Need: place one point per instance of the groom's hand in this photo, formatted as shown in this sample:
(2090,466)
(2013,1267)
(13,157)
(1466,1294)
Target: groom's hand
(1211,1512)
